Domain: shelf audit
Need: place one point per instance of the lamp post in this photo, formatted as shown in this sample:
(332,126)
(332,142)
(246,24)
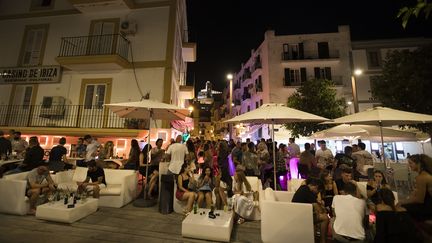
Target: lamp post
(230,77)
(357,72)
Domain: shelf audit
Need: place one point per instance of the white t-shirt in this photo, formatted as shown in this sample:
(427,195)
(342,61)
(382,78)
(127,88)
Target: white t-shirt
(324,157)
(91,150)
(350,212)
(178,152)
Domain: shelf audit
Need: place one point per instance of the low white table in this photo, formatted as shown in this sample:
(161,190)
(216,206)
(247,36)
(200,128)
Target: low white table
(59,212)
(202,227)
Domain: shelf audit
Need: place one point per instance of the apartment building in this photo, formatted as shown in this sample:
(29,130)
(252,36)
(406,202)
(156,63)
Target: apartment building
(62,60)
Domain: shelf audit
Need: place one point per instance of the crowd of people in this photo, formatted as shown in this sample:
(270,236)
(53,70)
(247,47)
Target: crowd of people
(202,170)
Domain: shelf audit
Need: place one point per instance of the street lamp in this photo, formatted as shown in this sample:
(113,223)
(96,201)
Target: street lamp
(357,72)
(230,78)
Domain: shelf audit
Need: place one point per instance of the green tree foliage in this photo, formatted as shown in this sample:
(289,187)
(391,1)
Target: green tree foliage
(316,96)
(406,82)
(421,7)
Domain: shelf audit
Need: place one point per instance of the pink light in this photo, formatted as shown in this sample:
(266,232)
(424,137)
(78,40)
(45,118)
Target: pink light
(293,163)
(231,165)
(281,177)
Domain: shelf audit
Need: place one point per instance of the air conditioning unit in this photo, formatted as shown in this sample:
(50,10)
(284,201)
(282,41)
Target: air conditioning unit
(128,27)
(53,107)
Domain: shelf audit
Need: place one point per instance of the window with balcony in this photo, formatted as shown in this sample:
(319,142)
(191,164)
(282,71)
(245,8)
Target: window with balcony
(33,45)
(373,59)
(294,76)
(293,51)
(323,50)
(323,73)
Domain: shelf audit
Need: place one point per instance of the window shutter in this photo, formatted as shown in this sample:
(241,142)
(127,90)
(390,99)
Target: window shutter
(328,73)
(287,78)
(33,47)
(303,74)
(317,72)
(301,51)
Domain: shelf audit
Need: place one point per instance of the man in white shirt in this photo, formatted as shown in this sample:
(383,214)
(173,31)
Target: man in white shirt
(92,147)
(324,156)
(293,148)
(349,212)
(177,153)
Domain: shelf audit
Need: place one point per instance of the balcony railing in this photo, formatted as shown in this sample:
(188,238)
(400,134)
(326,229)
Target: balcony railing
(114,44)
(73,116)
(309,55)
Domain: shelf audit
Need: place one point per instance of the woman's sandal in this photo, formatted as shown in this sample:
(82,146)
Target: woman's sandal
(240,221)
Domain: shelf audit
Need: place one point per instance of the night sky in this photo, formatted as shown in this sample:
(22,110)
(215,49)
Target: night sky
(226,30)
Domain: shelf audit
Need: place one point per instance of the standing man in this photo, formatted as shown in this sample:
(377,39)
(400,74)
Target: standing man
(57,158)
(306,162)
(324,156)
(293,148)
(39,182)
(97,176)
(177,153)
(91,149)
(19,145)
(5,147)
(364,161)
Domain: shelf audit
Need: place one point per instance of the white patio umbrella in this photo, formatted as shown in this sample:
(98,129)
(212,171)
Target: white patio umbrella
(275,114)
(368,132)
(152,110)
(383,117)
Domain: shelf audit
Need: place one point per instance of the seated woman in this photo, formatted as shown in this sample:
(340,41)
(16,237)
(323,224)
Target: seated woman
(419,204)
(329,190)
(393,223)
(205,187)
(183,193)
(132,163)
(375,185)
(243,198)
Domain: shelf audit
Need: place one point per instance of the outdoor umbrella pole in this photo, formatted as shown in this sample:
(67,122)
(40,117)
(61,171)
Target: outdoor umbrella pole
(274,156)
(382,145)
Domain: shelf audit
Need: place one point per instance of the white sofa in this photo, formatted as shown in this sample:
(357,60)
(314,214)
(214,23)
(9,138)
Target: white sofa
(12,194)
(284,221)
(120,189)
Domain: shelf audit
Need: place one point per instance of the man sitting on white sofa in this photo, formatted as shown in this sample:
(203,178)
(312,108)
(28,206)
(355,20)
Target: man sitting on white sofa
(38,182)
(308,194)
(97,177)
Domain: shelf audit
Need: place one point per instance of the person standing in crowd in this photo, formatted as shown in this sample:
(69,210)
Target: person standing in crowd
(33,157)
(324,156)
(97,176)
(312,149)
(177,154)
(250,160)
(132,163)
(263,160)
(236,153)
(281,167)
(363,160)
(349,212)
(91,149)
(192,158)
(343,160)
(19,145)
(222,160)
(306,162)
(208,157)
(57,158)
(157,154)
(293,149)
(5,147)
(419,204)
(80,148)
(39,182)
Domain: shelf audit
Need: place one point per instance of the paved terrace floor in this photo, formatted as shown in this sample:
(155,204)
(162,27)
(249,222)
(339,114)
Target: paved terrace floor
(127,224)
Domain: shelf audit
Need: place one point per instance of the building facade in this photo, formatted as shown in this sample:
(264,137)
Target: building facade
(66,59)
